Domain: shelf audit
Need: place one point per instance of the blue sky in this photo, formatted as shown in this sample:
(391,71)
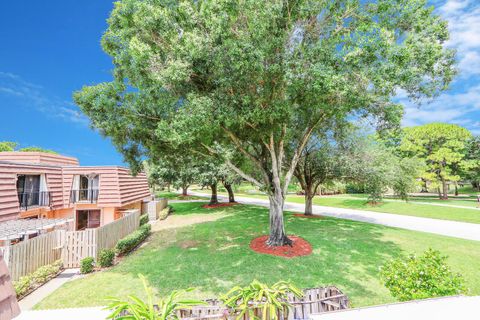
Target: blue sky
(48,49)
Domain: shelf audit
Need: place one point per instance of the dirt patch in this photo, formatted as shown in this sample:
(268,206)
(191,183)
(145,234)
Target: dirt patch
(189,244)
(219,205)
(174,221)
(300,247)
(309,216)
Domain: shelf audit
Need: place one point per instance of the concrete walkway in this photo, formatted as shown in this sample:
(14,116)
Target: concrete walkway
(447,308)
(463,230)
(38,295)
(415,202)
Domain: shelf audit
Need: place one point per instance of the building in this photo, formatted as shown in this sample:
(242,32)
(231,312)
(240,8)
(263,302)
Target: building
(49,186)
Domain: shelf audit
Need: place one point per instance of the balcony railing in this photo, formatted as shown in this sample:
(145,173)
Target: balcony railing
(34,199)
(84,195)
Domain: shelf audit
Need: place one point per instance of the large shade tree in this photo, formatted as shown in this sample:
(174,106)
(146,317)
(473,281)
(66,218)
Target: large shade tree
(442,147)
(260,76)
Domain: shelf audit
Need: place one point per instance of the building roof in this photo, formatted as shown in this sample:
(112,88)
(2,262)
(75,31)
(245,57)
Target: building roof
(38,158)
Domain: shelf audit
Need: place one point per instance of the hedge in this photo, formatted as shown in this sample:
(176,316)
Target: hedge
(131,241)
(143,219)
(30,282)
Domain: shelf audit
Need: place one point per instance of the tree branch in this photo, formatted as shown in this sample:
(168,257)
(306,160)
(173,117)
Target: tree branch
(235,168)
(238,144)
(296,156)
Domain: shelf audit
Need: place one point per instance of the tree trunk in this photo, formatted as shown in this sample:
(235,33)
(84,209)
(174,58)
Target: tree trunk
(308,204)
(445,189)
(439,193)
(184,191)
(424,186)
(231,196)
(168,187)
(213,198)
(456,189)
(277,227)
(309,194)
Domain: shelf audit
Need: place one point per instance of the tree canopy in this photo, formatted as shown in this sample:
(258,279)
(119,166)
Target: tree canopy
(442,147)
(9,146)
(260,77)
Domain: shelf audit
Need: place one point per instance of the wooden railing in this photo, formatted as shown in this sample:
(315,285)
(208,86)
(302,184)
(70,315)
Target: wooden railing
(314,301)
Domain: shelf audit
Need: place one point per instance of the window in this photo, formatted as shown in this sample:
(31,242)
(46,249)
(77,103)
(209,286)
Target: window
(85,188)
(32,191)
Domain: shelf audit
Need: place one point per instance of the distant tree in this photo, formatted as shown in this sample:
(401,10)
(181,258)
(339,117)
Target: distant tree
(406,174)
(210,173)
(176,168)
(12,146)
(442,147)
(320,164)
(472,165)
(37,149)
(7,146)
(261,76)
(374,165)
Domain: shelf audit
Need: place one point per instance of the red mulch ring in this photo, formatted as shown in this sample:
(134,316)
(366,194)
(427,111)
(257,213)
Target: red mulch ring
(301,215)
(300,247)
(219,205)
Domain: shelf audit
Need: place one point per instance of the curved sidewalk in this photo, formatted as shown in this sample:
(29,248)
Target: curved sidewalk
(463,230)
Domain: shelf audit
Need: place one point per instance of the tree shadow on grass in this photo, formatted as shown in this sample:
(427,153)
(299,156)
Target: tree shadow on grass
(215,256)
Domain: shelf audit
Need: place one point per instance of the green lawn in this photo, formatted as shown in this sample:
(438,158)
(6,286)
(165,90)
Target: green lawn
(176,196)
(215,256)
(410,208)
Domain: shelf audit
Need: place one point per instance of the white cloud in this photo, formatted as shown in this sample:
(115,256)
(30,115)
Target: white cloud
(449,107)
(463,18)
(461,105)
(34,96)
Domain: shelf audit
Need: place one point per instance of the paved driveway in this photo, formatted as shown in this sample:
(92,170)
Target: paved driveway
(463,230)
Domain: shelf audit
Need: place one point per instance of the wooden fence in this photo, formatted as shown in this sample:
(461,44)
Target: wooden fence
(89,243)
(70,246)
(27,256)
(315,301)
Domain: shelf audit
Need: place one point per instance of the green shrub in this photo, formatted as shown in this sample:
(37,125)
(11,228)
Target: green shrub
(33,280)
(131,241)
(86,265)
(105,258)
(143,219)
(421,277)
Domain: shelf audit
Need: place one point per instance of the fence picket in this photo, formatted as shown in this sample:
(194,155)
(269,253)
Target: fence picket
(70,246)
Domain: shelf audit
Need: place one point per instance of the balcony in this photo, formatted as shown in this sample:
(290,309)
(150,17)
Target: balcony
(28,200)
(84,195)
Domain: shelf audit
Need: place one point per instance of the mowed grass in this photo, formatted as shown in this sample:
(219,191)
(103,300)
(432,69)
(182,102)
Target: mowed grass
(410,208)
(215,256)
(175,196)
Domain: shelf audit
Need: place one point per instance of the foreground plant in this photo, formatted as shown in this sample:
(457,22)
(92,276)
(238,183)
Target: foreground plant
(136,309)
(422,277)
(257,296)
